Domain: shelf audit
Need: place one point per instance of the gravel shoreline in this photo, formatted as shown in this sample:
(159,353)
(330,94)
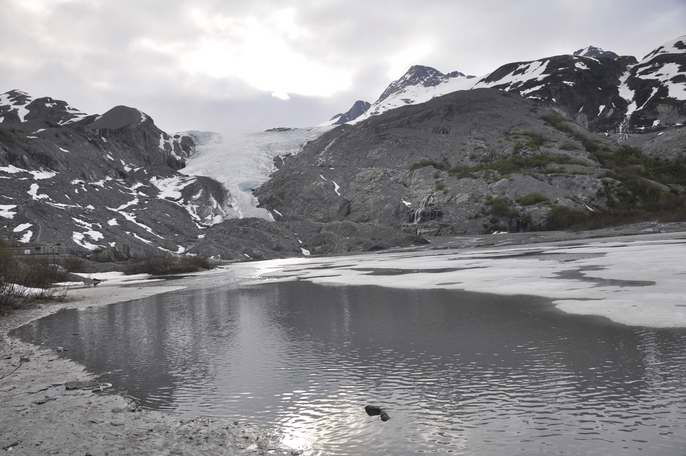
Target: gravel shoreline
(40,416)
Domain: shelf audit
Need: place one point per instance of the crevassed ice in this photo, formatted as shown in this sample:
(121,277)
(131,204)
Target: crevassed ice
(242,162)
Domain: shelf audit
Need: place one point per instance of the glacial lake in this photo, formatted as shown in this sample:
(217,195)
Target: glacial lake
(458,372)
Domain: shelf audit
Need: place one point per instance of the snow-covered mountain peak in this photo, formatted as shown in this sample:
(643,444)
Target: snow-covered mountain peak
(17,106)
(13,106)
(15,96)
(675,46)
(599,88)
(594,52)
(655,88)
(419,84)
(420,75)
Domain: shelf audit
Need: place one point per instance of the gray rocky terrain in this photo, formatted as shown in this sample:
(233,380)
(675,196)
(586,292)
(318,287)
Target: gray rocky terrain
(106,183)
(109,186)
(472,161)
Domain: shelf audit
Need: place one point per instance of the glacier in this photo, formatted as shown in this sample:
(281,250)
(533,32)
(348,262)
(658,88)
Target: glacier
(243,161)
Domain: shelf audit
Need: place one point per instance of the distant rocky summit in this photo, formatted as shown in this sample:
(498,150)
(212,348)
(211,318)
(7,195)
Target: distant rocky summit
(356,110)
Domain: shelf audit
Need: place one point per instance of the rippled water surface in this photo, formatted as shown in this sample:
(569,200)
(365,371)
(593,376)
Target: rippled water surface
(458,372)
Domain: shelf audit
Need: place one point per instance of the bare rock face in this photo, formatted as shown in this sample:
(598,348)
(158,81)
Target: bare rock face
(356,110)
(468,162)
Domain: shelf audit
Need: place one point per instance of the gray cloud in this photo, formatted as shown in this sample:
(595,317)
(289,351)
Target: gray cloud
(215,64)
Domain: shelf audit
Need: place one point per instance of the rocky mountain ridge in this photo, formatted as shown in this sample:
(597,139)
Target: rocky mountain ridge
(106,182)
(600,89)
(112,186)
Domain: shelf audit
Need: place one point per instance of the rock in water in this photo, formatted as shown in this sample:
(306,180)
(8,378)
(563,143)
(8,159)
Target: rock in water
(372,410)
(375,410)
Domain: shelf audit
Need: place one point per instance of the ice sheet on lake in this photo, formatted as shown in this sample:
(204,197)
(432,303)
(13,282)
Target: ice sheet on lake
(637,282)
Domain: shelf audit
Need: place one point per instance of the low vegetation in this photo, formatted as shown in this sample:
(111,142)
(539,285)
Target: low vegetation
(26,278)
(169,264)
(559,122)
(527,140)
(442,166)
(513,164)
(650,186)
(532,199)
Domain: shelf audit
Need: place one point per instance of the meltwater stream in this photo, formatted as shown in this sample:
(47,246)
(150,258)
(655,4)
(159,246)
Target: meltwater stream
(458,372)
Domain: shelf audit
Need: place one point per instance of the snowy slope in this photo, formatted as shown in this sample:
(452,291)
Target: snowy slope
(17,107)
(655,88)
(96,182)
(418,85)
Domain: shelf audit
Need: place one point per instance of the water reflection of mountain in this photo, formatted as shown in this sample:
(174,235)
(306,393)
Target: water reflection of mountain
(455,369)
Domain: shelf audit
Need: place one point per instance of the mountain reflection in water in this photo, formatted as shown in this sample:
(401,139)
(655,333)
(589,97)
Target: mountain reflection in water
(458,372)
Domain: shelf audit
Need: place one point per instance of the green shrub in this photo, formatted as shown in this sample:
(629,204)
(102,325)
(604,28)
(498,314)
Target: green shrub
(568,145)
(18,273)
(511,164)
(501,206)
(74,264)
(562,217)
(528,140)
(531,199)
(169,264)
(443,166)
(557,121)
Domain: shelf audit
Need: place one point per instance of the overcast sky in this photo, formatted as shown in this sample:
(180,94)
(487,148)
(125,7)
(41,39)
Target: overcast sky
(247,65)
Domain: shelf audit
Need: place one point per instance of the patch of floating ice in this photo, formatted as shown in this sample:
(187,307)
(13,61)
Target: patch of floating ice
(118,278)
(638,282)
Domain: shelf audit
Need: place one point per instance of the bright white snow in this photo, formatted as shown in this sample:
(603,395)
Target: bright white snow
(33,192)
(6,211)
(415,95)
(37,174)
(22,227)
(80,239)
(523,73)
(26,237)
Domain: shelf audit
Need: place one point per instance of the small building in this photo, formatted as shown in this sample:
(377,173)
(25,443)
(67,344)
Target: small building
(37,248)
